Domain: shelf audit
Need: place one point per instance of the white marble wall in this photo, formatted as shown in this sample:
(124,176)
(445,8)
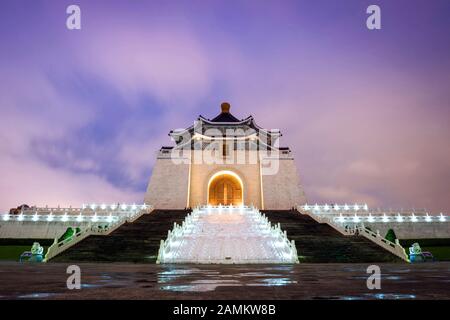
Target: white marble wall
(176,186)
(413,230)
(168,187)
(36,230)
(283,190)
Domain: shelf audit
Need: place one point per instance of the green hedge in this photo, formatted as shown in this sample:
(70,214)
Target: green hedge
(12,253)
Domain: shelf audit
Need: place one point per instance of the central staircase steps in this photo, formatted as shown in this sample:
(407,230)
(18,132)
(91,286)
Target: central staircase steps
(320,243)
(137,242)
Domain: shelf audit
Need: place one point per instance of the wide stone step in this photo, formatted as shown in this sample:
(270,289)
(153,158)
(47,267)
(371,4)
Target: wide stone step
(320,243)
(132,242)
(229,235)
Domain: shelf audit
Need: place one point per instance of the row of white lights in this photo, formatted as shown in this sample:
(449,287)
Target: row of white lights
(63,218)
(226,206)
(385,218)
(79,218)
(336,207)
(93,206)
(123,206)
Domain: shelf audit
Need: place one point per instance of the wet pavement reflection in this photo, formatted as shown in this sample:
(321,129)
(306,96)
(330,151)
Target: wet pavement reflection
(303,281)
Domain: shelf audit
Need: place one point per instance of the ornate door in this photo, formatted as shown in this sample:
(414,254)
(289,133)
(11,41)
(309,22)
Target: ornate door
(226,190)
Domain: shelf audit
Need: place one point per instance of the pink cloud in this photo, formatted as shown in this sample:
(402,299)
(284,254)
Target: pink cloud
(34,183)
(169,63)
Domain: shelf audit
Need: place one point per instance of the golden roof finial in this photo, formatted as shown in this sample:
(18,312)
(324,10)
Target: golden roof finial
(225,106)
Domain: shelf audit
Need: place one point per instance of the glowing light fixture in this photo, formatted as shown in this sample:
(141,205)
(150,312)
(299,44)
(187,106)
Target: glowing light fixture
(356,219)
(103,206)
(65,218)
(441,218)
(93,206)
(370,219)
(94,217)
(35,217)
(427,218)
(5,217)
(123,207)
(413,218)
(346,207)
(50,217)
(20,217)
(399,218)
(113,207)
(385,218)
(356,207)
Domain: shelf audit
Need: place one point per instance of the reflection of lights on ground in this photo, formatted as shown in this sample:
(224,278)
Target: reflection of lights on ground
(349,298)
(276,282)
(201,285)
(213,284)
(181,279)
(390,296)
(38,295)
(89,285)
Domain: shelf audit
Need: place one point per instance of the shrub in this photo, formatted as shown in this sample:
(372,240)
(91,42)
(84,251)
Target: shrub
(69,233)
(390,235)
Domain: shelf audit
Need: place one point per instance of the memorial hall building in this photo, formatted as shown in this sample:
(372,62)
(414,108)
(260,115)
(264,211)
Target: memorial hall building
(225,161)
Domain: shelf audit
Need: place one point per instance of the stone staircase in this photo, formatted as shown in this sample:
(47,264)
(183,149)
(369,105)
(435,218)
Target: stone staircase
(320,243)
(227,235)
(132,242)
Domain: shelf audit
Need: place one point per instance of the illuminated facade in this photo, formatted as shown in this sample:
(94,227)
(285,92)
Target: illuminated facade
(225,161)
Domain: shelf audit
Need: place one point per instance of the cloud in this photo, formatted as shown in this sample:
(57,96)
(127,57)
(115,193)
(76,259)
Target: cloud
(83,113)
(33,111)
(33,183)
(168,63)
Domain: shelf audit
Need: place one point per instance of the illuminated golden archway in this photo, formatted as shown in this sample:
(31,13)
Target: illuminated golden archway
(225,187)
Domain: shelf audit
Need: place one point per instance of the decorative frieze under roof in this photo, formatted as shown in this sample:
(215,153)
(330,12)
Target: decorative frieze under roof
(225,126)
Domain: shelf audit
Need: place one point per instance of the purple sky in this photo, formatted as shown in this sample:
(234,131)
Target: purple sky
(365,112)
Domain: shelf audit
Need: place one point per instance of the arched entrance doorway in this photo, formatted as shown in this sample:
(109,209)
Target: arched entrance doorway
(225,187)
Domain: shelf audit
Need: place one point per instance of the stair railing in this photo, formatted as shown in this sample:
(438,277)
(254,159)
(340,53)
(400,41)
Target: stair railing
(58,247)
(394,248)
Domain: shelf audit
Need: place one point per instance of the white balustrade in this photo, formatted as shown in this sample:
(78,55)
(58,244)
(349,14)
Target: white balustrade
(58,247)
(358,228)
(93,213)
(360,213)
